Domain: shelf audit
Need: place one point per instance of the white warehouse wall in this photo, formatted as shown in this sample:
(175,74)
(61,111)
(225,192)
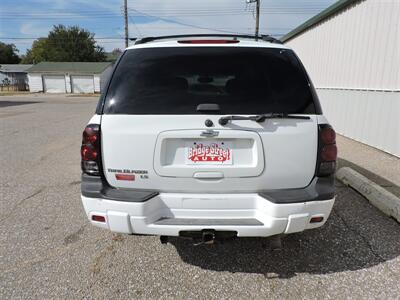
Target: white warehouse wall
(68,82)
(97,83)
(353,59)
(370,117)
(359,48)
(35,82)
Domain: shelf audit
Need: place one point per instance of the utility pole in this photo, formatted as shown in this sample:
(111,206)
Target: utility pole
(126,23)
(257,18)
(257,2)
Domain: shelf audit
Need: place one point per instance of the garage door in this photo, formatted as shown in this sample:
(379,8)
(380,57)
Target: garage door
(54,83)
(82,84)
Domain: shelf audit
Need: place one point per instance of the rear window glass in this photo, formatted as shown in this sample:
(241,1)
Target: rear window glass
(240,80)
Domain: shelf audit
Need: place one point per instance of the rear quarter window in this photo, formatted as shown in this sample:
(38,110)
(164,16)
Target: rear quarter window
(241,80)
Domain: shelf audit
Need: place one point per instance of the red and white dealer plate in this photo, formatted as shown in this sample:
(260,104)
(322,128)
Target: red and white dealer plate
(208,153)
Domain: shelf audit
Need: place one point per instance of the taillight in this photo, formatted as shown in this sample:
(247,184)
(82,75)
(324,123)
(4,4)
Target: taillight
(328,135)
(327,151)
(90,150)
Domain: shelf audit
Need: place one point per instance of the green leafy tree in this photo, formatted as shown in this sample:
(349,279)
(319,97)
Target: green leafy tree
(8,54)
(65,44)
(39,52)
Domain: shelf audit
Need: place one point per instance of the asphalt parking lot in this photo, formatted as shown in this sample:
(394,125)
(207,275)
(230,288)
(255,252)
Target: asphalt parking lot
(49,250)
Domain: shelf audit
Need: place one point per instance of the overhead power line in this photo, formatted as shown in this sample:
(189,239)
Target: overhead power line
(116,16)
(189,8)
(186,24)
(166,15)
(110,38)
(174,10)
(62,14)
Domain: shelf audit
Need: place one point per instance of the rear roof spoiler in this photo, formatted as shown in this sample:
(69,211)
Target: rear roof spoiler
(266,38)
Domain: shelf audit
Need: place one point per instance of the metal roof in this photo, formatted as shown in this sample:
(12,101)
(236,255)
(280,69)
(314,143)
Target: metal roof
(14,68)
(69,67)
(331,10)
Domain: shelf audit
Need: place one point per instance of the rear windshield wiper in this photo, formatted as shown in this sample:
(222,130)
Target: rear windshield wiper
(260,118)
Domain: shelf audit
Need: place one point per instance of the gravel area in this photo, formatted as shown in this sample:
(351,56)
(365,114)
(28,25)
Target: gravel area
(49,250)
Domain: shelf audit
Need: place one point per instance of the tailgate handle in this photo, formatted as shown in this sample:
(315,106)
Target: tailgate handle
(208,175)
(210,133)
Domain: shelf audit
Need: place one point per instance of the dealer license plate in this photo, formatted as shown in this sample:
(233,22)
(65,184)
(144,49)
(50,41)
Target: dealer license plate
(208,153)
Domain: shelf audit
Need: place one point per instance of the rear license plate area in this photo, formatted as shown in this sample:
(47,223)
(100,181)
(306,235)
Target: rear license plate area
(208,153)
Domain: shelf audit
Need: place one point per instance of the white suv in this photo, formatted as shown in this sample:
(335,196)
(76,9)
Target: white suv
(208,136)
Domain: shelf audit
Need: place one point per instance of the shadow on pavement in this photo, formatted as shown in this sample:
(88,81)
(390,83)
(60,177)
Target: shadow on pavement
(16,103)
(357,236)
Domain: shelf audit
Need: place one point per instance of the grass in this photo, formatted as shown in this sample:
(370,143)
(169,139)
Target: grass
(83,95)
(11,93)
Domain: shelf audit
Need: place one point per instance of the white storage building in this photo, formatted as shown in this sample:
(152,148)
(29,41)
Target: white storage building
(14,76)
(68,77)
(352,53)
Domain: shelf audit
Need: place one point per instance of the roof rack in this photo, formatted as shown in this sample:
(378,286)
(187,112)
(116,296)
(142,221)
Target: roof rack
(144,40)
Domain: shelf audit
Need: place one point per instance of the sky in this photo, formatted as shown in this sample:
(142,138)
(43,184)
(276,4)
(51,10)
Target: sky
(22,21)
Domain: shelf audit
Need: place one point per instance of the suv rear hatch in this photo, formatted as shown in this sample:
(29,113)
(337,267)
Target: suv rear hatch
(152,128)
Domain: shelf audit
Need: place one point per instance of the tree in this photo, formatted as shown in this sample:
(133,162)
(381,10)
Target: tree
(117,51)
(39,52)
(113,55)
(8,54)
(65,44)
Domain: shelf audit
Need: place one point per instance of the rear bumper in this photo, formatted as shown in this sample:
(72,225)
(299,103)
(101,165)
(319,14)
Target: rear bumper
(259,214)
(320,188)
(250,215)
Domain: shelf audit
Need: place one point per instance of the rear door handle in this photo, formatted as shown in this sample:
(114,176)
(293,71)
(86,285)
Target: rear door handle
(208,175)
(210,133)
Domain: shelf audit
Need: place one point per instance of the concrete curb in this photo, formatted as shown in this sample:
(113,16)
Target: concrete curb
(385,201)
